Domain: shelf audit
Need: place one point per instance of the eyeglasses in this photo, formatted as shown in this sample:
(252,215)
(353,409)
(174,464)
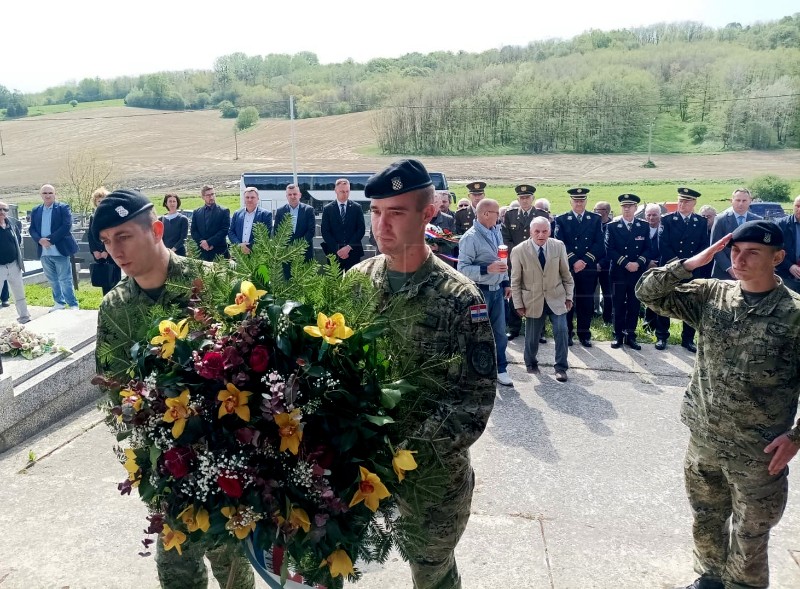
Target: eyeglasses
(463,206)
(3,210)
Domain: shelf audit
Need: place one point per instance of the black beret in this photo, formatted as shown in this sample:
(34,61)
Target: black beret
(117,208)
(578,193)
(524,190)
(400,177)
(628,199)
(687,193)
(765,232)
(476,187)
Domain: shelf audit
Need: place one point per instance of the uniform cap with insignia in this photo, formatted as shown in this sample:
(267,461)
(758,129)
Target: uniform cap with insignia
(628,199)
(476,187)
(688,193)
(117,208)
(765,232)
(399,178)
(525,190)
(578,193)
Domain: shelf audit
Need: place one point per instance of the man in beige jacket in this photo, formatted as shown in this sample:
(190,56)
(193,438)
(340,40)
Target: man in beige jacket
(541,286)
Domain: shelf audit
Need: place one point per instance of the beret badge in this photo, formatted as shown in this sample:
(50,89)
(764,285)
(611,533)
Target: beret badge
(122,211)
(397,183)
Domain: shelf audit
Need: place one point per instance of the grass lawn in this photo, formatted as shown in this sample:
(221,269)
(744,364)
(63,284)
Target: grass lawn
(41,295)
(50,109)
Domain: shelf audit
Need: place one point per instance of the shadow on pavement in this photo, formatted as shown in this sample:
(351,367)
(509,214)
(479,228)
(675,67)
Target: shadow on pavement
(516,424)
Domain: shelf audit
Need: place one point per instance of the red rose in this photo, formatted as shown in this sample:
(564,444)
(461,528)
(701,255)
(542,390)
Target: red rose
(212,366)
(230,486)
(259,359)
(177,461)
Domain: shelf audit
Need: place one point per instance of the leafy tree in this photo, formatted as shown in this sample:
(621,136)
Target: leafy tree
(228,110)
(771,188)
(247,118)
(698,132)
(73,103)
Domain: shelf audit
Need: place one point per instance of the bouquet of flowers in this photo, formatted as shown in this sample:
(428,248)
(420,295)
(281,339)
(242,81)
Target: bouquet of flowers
(446,241)
(267,411)
(16,340)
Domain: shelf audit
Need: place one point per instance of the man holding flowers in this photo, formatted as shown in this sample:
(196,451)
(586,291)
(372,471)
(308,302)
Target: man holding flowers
(436,313)
(127,225)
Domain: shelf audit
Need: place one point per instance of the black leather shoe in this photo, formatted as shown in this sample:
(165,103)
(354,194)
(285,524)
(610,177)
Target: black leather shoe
(533,369)
(690,346)
(661,344)
(632,343)
(512,335)
(706,583)
(542,340)
(586,343)
(5,304)
(616,344)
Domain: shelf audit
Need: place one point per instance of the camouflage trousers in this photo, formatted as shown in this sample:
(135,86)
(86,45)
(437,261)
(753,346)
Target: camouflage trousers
(735,503)
(445,522)
(188,571)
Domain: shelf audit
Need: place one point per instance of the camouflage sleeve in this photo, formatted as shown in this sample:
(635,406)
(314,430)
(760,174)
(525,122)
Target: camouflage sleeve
(468,397)
(662,290)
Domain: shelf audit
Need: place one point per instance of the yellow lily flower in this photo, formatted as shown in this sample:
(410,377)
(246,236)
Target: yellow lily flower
(178,411)
(195,521)
(246,299)
(403,460)
(170,333)
(370,490)
(172,539)
(236,523)
(234,401)
(332,329)
(299,519)
(131,398)
(131,466)
(339,563)
(290,430)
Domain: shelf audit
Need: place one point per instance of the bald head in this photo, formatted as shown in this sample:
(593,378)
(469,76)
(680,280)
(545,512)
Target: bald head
(487,212)
(48,194)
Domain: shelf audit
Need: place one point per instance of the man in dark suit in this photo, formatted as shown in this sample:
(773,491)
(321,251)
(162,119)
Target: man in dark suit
(241,229)
(581,232)
(789,268)
(628,253)
(210,225)
(652,320)
(343,227)
(725,223)
(606,309)
(302,218)
(51,227)
(443,219)
(466,216)
(684,235)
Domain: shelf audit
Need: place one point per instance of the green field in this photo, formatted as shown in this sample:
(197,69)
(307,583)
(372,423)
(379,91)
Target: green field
(35,111)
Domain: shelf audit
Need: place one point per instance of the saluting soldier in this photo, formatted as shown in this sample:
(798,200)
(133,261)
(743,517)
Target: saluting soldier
(516,229)
(581,232)
(684,235)
(628,252)
(465,217)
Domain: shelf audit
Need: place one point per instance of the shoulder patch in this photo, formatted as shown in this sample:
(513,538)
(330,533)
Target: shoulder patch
(482,358)
(479,313)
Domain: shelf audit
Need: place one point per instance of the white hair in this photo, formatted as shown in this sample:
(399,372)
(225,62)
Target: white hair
(652,206)
(542,204)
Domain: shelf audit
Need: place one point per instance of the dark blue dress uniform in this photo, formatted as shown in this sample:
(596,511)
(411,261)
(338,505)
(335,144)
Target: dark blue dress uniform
(659,323)
(680,239)
(604,280)
(584,241)
(626,243)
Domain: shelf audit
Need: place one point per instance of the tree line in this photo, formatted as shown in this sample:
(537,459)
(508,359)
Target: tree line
(602,91)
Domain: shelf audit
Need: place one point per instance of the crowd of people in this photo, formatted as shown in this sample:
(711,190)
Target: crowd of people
(519,264)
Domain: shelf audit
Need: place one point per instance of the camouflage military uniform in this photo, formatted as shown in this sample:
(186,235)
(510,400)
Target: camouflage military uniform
(116,333)
(439,304)
(742,395)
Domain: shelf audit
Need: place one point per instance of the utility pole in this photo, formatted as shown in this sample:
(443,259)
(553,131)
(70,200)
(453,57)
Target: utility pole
(2,151)
(294,155)
(649,163)
(236,142)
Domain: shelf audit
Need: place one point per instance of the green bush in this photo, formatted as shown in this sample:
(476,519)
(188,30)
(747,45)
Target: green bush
(228,110)
(771,188)
(247,118)
(73,103)
(698,132)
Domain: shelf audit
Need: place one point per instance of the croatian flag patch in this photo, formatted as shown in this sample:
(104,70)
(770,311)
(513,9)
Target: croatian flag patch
(479,313)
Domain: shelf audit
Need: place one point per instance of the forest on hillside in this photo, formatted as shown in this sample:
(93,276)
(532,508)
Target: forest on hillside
(736,87)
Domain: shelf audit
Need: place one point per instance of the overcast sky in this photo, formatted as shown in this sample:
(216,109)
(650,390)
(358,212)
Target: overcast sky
(54,41)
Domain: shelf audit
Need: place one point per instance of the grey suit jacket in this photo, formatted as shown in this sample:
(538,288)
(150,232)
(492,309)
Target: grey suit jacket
(725,223)
(532,286)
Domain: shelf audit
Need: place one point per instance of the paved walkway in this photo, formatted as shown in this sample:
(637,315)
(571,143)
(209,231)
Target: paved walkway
(579,485)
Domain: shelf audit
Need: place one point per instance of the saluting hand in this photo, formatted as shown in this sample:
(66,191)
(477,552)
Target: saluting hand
(707,255)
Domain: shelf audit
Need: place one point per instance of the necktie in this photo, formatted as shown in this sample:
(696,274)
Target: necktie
(686,220)
(628,225)
(541,257)
(342,211)
(739,219)
(580,218)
